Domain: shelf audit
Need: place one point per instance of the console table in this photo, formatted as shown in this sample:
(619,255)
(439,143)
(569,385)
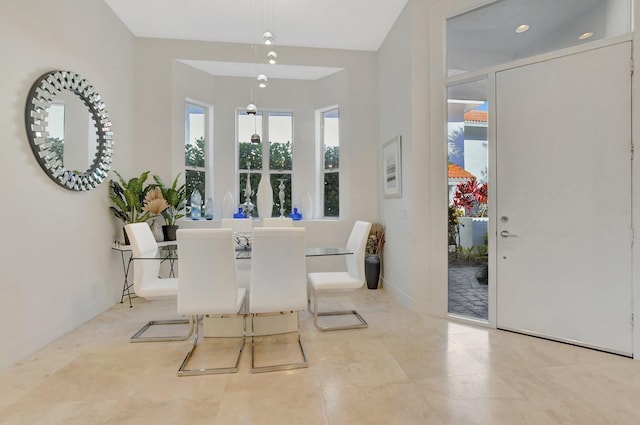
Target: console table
(126,255)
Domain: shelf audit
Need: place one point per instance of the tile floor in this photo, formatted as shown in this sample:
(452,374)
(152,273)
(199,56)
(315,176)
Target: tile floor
(403,369)
(467,297)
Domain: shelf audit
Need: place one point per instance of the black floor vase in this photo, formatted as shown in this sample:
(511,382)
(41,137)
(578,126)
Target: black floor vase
(372,270)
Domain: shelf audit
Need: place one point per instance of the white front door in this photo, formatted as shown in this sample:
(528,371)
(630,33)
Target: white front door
(563,137)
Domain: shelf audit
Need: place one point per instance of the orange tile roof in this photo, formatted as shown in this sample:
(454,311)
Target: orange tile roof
(476,116)
(457,172)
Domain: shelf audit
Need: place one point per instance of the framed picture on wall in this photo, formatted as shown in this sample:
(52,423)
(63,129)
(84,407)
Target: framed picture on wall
(392,168)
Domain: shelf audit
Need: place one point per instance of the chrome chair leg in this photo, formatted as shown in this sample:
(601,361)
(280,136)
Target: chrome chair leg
(271,368)
(182,371)
(137,337)
(363,323)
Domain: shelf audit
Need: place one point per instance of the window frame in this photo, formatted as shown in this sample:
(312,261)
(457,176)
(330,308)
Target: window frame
(263,114)
(207,146)
(322,171)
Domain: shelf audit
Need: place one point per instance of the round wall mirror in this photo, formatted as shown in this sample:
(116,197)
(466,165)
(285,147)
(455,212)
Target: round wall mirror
(69,130)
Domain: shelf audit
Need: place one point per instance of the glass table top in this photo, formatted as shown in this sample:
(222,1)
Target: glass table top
(170,252)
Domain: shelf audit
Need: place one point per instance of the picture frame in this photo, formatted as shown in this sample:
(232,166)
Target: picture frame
(391,163)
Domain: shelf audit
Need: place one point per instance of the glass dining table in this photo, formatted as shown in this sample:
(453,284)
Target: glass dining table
(168,252)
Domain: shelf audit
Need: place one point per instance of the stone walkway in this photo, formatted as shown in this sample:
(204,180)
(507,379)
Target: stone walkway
(467,297)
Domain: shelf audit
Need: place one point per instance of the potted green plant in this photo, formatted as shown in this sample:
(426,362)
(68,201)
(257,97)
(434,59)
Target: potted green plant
(372,263)
(128,199)
(176,197)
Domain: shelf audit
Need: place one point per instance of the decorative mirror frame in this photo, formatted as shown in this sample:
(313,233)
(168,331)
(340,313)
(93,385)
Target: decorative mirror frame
(42,93)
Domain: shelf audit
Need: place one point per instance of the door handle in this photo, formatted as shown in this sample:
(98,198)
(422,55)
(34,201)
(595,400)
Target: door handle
(506,234)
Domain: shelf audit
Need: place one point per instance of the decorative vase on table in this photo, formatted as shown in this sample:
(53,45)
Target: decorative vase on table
(208,209)
(265,198)
(372,270)
(228,206)
(307,206)
(156,229)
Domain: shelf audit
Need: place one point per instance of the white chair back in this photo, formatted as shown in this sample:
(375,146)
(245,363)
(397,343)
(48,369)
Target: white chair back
(278,270)
(207,281)
(143,245)
(277,222)
(357,243)
(238,225)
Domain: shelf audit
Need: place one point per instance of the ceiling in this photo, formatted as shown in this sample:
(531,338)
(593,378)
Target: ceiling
(486,36)
(336,24)
(477,39)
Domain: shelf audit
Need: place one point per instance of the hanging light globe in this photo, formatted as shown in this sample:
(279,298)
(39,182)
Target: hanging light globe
(272,57)
(267,38)
(255,138)
(251,109)
(262,81)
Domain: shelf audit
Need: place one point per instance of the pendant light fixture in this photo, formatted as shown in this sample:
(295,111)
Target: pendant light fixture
(251,107)
(262,81)
(252,110)
(272,57)
(267,38)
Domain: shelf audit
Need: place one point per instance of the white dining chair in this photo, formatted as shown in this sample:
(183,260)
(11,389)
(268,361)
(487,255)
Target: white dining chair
(147,284)
(278,284)
(208,285)
(242,228)
(238,225)
(352,278)
(277,222)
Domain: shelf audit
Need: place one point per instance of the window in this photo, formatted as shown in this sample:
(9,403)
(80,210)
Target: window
(272,158)
(330,137)
(195,149)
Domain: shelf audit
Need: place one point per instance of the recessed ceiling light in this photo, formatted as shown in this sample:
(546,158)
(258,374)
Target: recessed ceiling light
(585,36)
(522,28)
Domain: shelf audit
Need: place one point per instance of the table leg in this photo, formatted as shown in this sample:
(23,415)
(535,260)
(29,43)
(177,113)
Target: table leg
(126,287)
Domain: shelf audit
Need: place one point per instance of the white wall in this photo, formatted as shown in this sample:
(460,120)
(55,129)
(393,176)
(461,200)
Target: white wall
(395,92)
(58,270)
(635,217)
(403,91)
(165,83)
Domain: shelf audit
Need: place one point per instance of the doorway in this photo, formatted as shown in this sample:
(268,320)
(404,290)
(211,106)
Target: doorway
(467,184)
(564,234)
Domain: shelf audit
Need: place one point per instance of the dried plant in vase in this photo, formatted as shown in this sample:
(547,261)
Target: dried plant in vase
(376,239)
(154,202)
(176,196)
(372,263)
